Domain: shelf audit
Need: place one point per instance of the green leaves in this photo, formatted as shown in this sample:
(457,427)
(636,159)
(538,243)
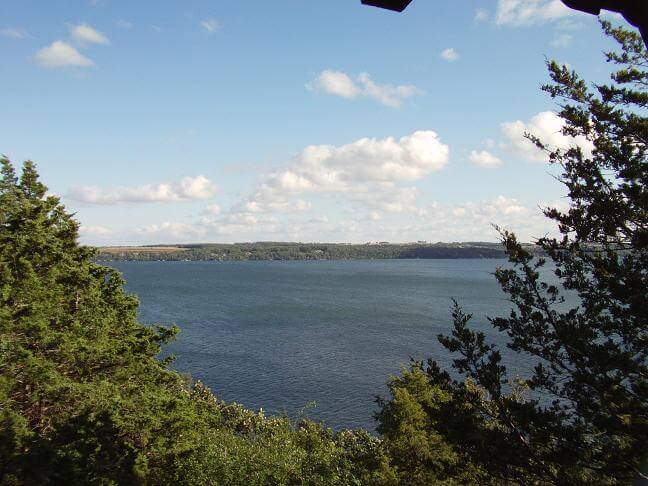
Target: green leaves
(84,398)
(579,417)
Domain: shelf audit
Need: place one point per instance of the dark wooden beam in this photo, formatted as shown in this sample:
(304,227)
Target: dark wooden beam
(397,5)
(634,11)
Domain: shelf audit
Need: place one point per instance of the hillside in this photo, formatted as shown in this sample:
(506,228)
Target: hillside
(300,251)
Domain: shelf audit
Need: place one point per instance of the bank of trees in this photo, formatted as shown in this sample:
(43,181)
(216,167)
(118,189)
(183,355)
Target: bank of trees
(84,398)
(302,251)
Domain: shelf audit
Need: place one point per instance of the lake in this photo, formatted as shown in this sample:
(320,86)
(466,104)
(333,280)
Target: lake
(280,335)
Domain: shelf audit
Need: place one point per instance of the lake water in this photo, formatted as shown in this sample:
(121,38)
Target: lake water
(278,335)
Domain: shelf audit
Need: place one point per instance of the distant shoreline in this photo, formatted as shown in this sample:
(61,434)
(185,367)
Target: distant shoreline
(279,251)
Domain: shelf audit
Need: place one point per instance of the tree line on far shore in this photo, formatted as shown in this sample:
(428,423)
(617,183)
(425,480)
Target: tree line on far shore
(302,251)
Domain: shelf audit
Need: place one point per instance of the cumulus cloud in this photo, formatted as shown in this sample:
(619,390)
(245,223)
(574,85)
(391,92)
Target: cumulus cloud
(449,54)
(61,54)
(86,34)
(341,84)
(368,172)
(335,83)
(385,93)
(548,127)
(13,33)
(485,159)
(94,231)
(518,13)
(212,210)
(187,189)
(389,198)
(503,205)
(334,168)
(210,25)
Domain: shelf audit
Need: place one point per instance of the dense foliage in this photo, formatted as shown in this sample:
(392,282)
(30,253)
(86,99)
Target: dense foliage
(302,251)
(581,415)
(84,399)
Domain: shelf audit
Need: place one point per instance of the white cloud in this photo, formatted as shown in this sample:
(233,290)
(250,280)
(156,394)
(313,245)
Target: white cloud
(266,202)
(389,198)
(505,206)
(210,25)
(319,219)
(562,40)
(467,221)
(341,84)
(94,231)
(180,232)
(199,187)
(481,15)
(61,54)
(368,172)
(336,83)
(86,34)
(471,221)
(13,33)
(449,54)
(485,159)
(233,227)
(187,189)
(366,160)
(548,127)
(518,13)
(385,93)
(212,210)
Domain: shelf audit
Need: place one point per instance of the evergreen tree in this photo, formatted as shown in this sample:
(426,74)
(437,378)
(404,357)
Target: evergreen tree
(581,416)
(82,389)
(84,398)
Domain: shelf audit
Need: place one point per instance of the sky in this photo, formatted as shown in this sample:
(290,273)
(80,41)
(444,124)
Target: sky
(291,120)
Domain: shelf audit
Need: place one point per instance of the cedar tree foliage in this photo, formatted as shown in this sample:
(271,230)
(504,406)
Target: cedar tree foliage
(580,416)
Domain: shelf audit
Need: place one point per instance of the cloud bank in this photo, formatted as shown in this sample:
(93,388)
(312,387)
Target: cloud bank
(367,172)
(187,189)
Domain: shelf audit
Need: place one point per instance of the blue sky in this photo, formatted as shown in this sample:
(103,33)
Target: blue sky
(300,120)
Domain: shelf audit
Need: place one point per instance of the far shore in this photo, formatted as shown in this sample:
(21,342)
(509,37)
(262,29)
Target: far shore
(302,251)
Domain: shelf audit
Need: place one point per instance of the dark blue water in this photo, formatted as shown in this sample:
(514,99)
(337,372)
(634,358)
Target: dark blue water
(278,335)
